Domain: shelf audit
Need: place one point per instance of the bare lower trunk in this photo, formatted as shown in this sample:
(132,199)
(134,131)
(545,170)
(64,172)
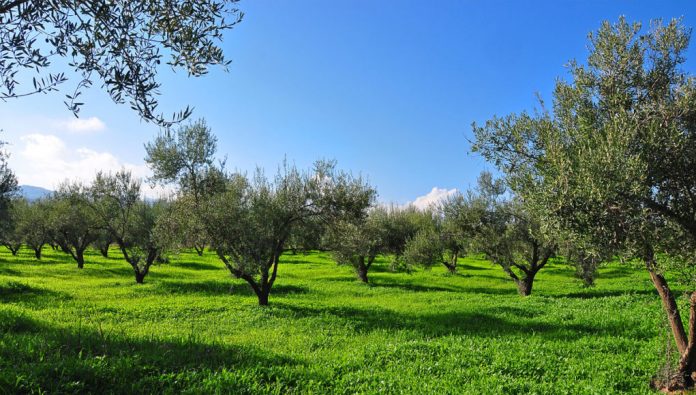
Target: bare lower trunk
(80,258)
(450,267)
(685,375)
(361,270)
(104,251)
(525,284)
(199,250)
(263,297)
(37,253)
(139,277)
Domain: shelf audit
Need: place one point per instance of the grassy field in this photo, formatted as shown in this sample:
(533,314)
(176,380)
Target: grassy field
(191,328)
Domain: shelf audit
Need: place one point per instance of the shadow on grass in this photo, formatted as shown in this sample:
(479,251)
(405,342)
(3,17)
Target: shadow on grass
(386,282)
(491,323)
(86,359)
(198,265)
(213,287)
(593,294)
(15,292)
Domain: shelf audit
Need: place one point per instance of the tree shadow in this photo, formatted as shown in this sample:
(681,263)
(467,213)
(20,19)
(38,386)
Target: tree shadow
(19,293)
(385,282)
(198,265)
(221,287)
(89,358)
(490,323)
(593,294)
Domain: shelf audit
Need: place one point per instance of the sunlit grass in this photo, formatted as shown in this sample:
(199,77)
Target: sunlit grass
(192,328)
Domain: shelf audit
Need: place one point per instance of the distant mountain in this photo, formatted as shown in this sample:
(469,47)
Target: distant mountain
(30,192)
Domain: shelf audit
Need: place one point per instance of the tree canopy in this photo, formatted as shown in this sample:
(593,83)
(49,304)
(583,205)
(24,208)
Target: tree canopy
(117,44)
(613,159)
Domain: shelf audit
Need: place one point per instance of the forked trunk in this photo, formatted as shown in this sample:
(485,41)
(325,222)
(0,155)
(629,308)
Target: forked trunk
(139,277)
(104,251)
(199,250)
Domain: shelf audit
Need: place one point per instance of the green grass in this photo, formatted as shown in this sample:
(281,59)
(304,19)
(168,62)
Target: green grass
(192,328)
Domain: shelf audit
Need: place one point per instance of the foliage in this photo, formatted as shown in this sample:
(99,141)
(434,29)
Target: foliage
(251,222)
(401,224)
(131,222)
(35,225)
(119,44)
(614,159)
(12,232)
(358,243)
(73,223)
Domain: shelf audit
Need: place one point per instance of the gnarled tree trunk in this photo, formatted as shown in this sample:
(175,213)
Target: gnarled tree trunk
(685,375)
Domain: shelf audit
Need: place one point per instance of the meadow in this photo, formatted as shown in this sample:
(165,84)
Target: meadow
(191,328)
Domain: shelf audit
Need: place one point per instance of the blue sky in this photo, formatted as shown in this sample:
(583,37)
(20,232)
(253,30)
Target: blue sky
(388,88)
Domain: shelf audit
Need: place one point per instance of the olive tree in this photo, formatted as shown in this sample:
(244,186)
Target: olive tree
(12,232)
(185,157)
(401,224)
(614,159)
(119,45)
(74,225)
(35,225)
(250,223)
(103,241)
(440,244)
(358,242)
(132,222)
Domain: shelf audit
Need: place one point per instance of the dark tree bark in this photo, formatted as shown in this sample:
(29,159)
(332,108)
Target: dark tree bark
(37,252)
(525,283)
(104,251)
(685,376)
(268,273)
(452,264)
(14,249)
(80,258)
(199,249)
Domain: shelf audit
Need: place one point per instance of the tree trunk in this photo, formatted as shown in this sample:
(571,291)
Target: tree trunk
(361,270)
(80,258)
(37,253)
(525,284)
(450,267)
(686,371)
(104,251)
(139,277)
(199,250)
(263,297)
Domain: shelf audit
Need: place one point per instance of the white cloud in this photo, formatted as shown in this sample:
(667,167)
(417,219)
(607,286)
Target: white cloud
(433,197)
(82,125)
(44,160)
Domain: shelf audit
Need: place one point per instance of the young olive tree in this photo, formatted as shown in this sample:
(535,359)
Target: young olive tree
(615,159)
(74,225)
(35,225)
(401,224)
(358,242)
(12,232)
(103,241)
(185,157)
(510,233)
(439,242)
(131,221)
(250,223)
